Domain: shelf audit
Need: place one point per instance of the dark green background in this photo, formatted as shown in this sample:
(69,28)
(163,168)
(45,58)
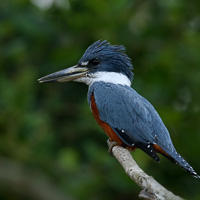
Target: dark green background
(50,145)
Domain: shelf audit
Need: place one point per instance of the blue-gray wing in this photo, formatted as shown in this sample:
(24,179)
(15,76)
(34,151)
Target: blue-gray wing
(134,120)
(132,117)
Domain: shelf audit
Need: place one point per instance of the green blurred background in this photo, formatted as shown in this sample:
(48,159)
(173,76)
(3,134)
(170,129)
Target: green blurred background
(50,145)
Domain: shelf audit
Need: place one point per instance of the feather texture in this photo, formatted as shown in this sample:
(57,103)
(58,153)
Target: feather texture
(134,120)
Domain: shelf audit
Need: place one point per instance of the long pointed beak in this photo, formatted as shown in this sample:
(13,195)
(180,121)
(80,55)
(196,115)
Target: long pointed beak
(64,75)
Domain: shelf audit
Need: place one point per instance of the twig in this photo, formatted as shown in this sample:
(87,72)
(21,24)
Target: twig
(152,190)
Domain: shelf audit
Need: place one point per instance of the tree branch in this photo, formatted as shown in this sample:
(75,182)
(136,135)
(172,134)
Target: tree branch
(152,190)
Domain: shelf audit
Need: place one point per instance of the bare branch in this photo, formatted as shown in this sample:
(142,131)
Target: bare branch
(151,188)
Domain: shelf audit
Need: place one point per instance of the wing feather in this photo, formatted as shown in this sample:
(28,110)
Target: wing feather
(132,117)
(135,120)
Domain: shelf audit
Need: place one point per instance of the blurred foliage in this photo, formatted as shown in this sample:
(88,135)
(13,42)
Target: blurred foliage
(49,129)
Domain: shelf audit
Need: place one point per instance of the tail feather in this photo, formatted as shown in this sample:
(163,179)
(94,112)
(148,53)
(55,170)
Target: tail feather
(172,155)
(178,159)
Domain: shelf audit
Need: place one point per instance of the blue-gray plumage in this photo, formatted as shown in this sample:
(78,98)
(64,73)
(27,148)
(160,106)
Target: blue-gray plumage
(132,113)
(125,116)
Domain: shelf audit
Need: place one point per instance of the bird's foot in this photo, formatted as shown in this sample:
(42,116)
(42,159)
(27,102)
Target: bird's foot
(111,144)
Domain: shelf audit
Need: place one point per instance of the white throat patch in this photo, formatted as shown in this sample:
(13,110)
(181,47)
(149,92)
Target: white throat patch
(108,77)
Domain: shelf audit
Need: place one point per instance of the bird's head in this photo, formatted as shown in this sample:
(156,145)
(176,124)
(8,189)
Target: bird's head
(100,62)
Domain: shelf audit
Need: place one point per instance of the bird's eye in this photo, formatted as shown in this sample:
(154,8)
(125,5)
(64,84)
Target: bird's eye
(94,61)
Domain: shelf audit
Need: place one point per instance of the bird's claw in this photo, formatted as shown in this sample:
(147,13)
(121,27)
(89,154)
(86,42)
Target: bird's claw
(111,144)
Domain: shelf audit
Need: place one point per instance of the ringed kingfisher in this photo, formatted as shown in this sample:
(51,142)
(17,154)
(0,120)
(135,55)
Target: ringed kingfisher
(127,118)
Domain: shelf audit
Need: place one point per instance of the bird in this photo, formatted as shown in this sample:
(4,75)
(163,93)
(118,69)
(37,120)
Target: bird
(128,119)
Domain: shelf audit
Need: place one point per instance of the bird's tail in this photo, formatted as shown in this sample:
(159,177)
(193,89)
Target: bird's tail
(178,159)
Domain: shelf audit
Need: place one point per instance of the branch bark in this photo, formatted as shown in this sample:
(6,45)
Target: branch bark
(152,190)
